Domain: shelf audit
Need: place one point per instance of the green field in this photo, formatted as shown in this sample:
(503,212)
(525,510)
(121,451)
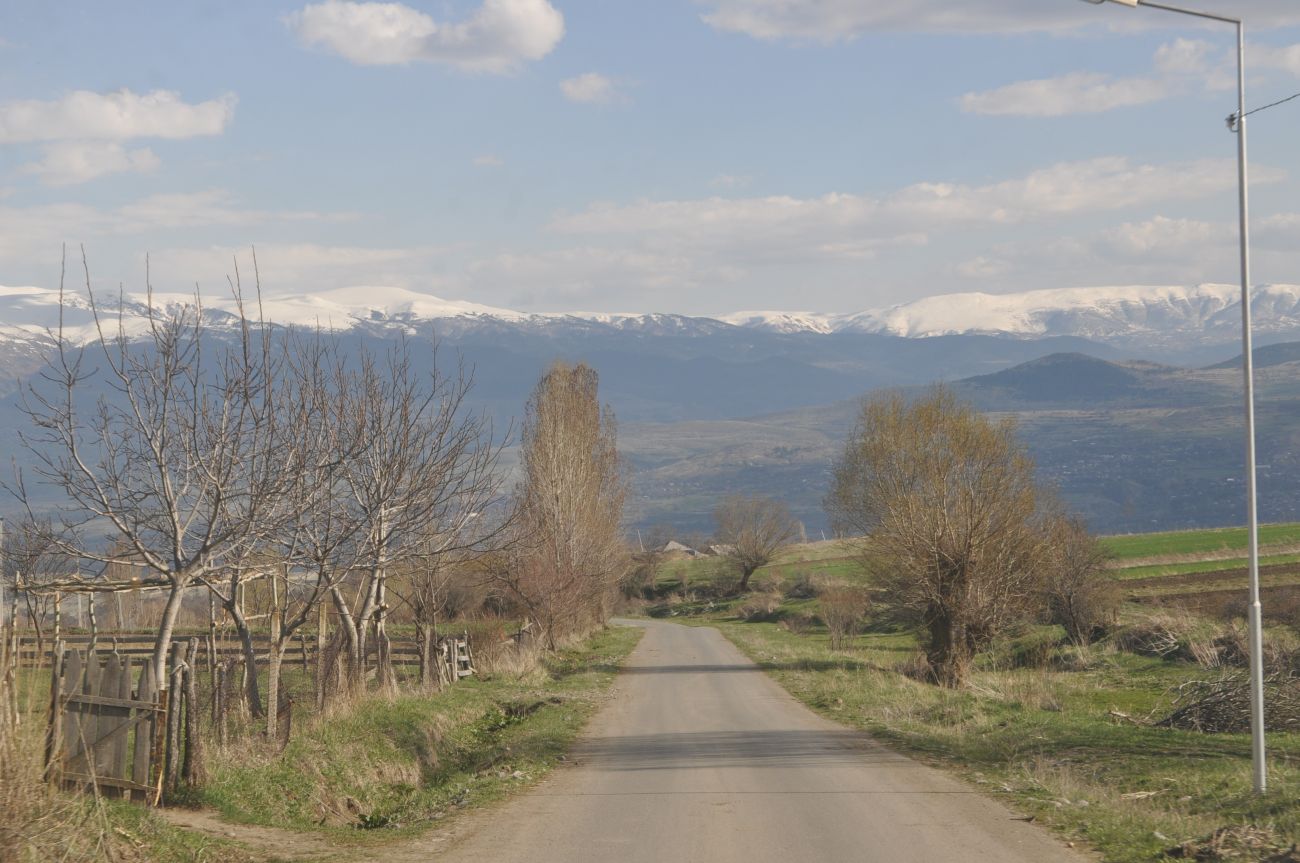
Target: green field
(1064,734)
(1193,542)
(1134,556)
(1159,570)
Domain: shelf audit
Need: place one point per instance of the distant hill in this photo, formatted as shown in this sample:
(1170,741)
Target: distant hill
(1063,378)
(760,402)
(1131,446)
(1266,357)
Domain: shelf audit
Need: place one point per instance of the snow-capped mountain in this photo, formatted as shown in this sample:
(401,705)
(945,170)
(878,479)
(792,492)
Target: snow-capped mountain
(1145,315)
(783,322)
(1205,312)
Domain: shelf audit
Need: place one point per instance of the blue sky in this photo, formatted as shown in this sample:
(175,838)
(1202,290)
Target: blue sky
(684,155)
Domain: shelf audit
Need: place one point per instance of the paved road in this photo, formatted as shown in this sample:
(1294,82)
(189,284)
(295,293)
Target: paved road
(701,757)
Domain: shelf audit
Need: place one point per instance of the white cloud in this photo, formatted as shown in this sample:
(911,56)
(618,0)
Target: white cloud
(292,267)
(30,234)
(817,245)
(68,162)
(1285,57)
(731,181)
(1163,236)
(119,116)
(590,87)
(1178,65)
(983,267)
(498,37)
(1076,93)
(1110,183)
(83,132)
(1160,249)
(832,20)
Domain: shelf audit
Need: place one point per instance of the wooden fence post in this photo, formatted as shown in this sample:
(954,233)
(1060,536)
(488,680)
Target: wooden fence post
(54,731)
(147,732)
(193,767)
(322,622)
(175,686)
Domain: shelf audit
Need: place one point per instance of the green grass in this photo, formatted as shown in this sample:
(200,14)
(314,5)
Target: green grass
(1046,741)
(1161,570)
(1193,542)
(138,828)
(1052,742)
(410,760)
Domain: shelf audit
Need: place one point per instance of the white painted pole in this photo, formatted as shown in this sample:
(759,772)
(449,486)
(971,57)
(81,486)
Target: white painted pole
(1254,611)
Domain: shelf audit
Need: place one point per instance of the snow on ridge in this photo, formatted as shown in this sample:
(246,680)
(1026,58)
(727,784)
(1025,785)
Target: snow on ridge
(1097,312)
(781,322)
(345,306)
(1069,311)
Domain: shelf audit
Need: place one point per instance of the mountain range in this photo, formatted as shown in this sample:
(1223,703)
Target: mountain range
(1205,313)
(1126,396)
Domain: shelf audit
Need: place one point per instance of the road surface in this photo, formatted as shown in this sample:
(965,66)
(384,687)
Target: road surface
(701,757)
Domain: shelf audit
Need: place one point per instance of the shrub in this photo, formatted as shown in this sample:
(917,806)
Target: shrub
(1031,647)
(800,623)
(766,582)
(805,586)
(917,667)
(842,608)
(759,607)
(1165,633)
(1080,593)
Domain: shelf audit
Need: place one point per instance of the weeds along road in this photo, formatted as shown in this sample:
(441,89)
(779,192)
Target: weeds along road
(701,757)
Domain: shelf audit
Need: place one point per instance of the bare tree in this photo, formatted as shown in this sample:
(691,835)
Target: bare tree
(1082,594)
(181,460)
(421,484)
(569,507)
(842,608)
(32,559)
(649,555)
(752,531)
(949,509)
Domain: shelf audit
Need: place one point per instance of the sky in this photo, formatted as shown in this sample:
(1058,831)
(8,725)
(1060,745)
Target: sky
(691,156)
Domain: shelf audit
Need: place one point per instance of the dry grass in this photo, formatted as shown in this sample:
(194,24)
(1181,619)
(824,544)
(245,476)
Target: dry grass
(37,824)
(759,606)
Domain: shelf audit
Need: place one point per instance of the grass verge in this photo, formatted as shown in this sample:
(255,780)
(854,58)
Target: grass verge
(1055,744)
(390,766)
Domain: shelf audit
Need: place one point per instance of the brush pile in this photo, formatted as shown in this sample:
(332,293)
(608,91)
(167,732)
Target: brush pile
(1221,704)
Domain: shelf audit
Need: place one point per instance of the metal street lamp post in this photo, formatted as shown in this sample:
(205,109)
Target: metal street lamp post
(1238,122)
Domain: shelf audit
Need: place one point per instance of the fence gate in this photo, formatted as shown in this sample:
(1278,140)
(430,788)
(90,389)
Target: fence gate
(458,658)
(102,733)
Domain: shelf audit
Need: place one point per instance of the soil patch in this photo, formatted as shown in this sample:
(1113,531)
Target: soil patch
(277,844)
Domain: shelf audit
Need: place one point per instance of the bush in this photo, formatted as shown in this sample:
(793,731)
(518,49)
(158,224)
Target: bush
(805,586)
(1165,633)
(1080,592)
(1035,647)
(842,609)
(759,607)
(917,667)
(800,623)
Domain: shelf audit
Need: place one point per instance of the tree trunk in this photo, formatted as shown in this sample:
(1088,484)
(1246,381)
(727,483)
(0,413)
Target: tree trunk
(162,642)
(251,691)
(274,659)
(949,651)
(355,644)
(322,623)
(384,657)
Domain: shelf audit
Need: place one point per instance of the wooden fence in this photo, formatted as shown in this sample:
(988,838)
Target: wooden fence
(140,646)
(103,733)
(118,740)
